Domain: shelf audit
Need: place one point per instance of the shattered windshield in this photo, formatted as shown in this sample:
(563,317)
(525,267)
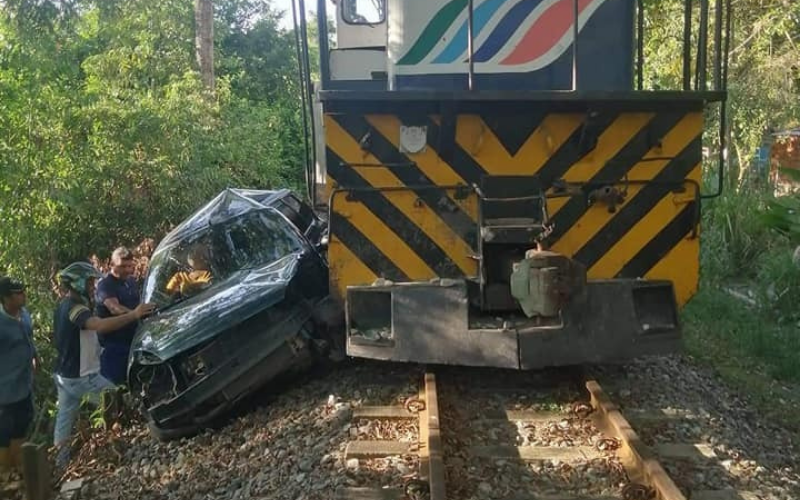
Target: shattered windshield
(213,252)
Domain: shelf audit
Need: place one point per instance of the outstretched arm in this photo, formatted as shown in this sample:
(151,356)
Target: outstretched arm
(106,295)
(113,305)
(82,317)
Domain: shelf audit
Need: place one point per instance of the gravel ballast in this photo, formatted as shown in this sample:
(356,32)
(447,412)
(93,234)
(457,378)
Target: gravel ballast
(291,445)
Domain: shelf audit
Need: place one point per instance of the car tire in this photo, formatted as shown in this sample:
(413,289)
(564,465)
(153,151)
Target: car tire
(169,434)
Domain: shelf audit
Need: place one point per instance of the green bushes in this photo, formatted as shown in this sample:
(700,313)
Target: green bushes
(130,171)
(778,286)
(733,234)
(742,247)
(722,330)
(107,136)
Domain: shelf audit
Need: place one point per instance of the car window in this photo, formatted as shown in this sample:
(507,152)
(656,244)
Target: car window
(297,212)
(257,239)
(251,240)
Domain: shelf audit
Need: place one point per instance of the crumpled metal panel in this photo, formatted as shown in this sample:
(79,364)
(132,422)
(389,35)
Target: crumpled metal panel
(200,318)
(228,204)
(255,253)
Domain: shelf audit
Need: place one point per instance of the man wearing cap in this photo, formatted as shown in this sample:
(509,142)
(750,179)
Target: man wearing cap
(17,358)
(117,294)
(77,372)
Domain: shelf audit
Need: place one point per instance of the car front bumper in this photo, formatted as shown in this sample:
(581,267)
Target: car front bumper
(238,362)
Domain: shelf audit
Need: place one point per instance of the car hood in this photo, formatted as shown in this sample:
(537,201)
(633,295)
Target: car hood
(226,303)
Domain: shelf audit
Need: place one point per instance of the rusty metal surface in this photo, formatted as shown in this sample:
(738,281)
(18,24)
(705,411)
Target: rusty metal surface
(431,461)
(639,461)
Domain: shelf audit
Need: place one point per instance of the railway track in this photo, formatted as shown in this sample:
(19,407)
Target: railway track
(533,438)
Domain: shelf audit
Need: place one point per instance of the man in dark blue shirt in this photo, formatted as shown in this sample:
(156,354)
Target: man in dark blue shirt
(117,294)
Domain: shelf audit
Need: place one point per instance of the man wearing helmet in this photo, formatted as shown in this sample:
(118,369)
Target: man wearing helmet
(77,372)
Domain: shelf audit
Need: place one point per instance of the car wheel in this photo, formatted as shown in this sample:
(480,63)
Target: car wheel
(169,434)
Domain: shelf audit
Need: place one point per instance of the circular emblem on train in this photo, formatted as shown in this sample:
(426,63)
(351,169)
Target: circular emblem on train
(413,139)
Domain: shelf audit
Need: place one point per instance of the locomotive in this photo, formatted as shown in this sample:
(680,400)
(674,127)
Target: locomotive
(501,190)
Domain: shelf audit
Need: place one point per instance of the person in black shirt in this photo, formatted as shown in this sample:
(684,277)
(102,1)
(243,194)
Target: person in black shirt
(77,372)
(117,294)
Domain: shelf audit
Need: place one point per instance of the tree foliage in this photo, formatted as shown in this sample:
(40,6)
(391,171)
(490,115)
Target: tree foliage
(763,74)
(108,135)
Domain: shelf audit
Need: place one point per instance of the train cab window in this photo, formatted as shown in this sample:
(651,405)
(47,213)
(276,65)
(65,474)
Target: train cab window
(363,11)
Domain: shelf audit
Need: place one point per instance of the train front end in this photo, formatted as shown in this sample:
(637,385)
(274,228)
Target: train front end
(500,194)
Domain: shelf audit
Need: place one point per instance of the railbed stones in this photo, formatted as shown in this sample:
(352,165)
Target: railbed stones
(293,446)
(750,453)
(289,448)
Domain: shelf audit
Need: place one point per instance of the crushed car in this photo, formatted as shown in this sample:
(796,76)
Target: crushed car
(241,289)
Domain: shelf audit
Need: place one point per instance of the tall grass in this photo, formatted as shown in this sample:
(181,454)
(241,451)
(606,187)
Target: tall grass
(749,337)
(739,247)
(733,234)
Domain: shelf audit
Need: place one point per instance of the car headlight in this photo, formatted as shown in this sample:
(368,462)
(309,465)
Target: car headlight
(154,383)
(146,358)
(194,367)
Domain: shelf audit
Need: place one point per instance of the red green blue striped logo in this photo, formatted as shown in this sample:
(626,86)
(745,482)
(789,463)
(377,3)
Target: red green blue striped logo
(507,33)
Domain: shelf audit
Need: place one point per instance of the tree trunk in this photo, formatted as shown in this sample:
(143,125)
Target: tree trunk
(204,41)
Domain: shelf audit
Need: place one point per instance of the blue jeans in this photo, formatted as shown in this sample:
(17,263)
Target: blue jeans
(71,392)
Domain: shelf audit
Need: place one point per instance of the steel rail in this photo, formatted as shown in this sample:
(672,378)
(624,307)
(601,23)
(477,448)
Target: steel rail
(429,450)
(646,477)
(639,461)
(431,462)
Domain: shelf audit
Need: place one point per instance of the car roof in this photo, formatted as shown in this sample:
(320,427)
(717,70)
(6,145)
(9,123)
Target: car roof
(267,198)
(230,203)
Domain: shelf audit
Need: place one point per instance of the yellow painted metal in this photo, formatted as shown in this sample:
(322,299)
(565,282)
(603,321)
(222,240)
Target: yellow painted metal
(609,143)
(346,268)
(682,264)
(679,264)
(598,216)
(392,245)
(645,230)
(405,200)
(480,142)
(428,162)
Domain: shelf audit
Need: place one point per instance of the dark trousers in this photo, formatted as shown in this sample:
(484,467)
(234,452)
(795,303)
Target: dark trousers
(114,362)
(15,418)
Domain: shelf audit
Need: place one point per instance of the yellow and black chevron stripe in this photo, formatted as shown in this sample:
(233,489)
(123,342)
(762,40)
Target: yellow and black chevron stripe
(404,218)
